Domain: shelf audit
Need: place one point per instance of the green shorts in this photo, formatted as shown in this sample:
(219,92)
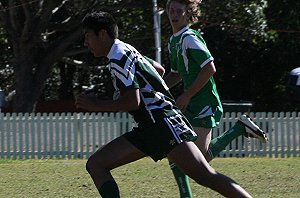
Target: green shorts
(207,117)
(158,139)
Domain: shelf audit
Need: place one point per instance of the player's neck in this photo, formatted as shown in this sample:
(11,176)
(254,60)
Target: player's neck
(177,29)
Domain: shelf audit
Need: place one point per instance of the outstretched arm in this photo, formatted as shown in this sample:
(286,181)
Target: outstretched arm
(172,79)
(128,101)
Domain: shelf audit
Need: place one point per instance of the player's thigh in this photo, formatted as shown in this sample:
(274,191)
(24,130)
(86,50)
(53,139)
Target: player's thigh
(116,153)
(204,138)
(191,161)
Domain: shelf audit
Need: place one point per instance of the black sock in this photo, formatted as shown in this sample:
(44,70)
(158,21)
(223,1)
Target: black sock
(109,190)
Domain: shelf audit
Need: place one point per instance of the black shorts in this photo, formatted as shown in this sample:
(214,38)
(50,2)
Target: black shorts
(158,139)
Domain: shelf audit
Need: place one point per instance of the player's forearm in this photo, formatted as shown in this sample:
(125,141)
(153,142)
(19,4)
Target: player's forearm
(114,106)
(128,101)
(196,86)
(203,77)
(172,79)
(159,68)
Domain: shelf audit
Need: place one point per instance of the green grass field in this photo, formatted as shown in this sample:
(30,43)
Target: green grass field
(262,177)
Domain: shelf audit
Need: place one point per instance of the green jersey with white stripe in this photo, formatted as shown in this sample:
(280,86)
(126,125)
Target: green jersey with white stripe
(130,70)
(188,55)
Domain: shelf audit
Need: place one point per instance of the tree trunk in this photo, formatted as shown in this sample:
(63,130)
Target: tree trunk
(27,87)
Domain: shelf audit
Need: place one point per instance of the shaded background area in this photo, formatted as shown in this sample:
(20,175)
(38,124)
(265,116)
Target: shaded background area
(256,44)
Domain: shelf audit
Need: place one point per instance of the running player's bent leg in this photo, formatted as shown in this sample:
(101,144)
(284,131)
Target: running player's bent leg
(190,160)
(219,143)
(203,140)
(182,180)
(209,149)
(101,162)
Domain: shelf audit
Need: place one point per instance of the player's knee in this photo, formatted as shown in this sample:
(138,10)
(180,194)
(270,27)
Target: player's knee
(88,166)
(91,164)
(97,163)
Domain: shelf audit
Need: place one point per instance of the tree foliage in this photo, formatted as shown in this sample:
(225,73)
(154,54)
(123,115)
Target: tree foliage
(255,44)
(6,72)
(36,42)
(41,33)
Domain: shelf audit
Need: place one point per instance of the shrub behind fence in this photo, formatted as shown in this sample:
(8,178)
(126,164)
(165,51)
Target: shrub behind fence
(78,135)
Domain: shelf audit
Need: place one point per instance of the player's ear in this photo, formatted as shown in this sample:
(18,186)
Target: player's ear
(102,33)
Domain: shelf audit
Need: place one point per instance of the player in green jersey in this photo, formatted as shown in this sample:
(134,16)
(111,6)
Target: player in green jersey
(162,130)
(192,63)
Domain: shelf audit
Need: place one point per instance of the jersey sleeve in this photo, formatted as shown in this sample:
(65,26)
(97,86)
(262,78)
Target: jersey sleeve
(149,59)
(196,50)
(173,62)
(124,75)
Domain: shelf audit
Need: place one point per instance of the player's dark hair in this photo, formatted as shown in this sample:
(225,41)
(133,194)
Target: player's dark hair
(98,20)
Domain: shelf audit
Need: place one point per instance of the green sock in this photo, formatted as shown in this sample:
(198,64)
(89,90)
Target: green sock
(219,143)
(182,182)
(109,190)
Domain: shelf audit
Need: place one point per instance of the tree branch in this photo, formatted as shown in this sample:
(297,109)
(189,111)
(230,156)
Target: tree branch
(28,20)
(76,52)
(2,13)
(46,12)
(56,54)
(12,16)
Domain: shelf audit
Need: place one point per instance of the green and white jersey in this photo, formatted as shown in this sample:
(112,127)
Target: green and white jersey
(130,70)
(188,55)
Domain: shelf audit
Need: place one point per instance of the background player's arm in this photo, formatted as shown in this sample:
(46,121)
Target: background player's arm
(172,79)
(206,72)
(159,68)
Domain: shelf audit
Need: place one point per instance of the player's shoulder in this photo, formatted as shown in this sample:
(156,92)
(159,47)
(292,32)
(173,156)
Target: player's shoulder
(118,49)
(121,52)
(191,34)
(192,38)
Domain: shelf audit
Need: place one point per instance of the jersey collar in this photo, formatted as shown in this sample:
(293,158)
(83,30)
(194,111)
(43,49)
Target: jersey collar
(181,31)
(113,48)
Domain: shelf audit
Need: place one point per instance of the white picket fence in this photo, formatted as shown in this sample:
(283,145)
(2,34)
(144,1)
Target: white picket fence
(37,136)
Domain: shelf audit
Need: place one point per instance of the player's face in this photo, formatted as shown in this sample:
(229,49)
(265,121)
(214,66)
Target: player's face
(94,43)
(178,16)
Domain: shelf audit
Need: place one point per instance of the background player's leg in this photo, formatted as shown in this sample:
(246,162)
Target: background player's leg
(190,160)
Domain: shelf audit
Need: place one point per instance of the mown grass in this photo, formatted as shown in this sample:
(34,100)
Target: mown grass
(262,177)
